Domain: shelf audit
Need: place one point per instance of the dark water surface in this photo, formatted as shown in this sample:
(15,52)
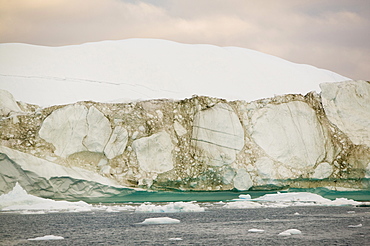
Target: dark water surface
(215,226)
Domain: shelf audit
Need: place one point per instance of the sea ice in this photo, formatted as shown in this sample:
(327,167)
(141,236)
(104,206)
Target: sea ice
(47,237)
(247,196)
(355,226)
(286,200)
(175,239)
(173,207)
(344,201)
(242,204)
(290,232)
(160,220)
(19,200)
(293,197)
(256,230)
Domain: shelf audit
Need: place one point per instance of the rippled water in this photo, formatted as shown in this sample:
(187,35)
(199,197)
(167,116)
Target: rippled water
(215,226)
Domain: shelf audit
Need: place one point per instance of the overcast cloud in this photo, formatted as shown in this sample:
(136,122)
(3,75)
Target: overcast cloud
(331,34)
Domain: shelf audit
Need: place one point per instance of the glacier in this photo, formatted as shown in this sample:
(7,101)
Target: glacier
(212,120)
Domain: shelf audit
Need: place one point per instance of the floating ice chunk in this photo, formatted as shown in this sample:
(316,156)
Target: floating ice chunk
(355,226)
(117,208)
(47,237)
(160,220)
(18,200)
(344,201)
(304,198)
(288,199)
(247,197)
(290,232)
(175,239)
(293,197)
(242,205)
(256,230)
(173,207)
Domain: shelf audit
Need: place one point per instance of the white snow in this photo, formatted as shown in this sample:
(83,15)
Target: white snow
(160,220)
(47,237)
(172,207)
(139,69)
(290,232)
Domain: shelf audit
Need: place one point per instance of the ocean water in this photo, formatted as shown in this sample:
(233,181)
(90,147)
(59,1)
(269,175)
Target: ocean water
(320,225)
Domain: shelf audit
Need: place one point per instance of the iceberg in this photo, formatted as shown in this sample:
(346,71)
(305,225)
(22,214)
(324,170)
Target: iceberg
(196,118)
(196,144)
(19,201)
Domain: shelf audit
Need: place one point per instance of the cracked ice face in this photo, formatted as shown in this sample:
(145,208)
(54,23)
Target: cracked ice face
(218,133)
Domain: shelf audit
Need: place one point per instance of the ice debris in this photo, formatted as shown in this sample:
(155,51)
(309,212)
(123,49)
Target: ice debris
(290,232)
(47,237)
(355,226)
(160,220)
(173,207)
(256,230)
(287,200)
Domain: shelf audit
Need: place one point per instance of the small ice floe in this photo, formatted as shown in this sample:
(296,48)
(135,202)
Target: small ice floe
(47,237)
(256,230)
(242,204)
(115,208)
(246,197)
(175,239)
(355,226)
(172,207)
(290,232)
(344,202)
(160,220)
(288,199)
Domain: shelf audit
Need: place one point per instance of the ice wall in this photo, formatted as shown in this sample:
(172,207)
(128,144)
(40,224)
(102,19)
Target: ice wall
(199,143)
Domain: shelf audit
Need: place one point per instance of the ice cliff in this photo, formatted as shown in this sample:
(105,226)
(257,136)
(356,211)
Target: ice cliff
(199,143)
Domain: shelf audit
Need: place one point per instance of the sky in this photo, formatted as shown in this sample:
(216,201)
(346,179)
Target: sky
(330,34)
